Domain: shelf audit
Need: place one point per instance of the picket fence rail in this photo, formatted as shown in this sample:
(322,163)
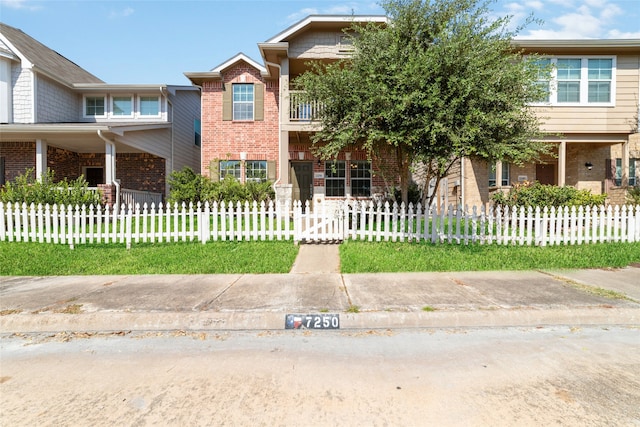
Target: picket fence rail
(367,221)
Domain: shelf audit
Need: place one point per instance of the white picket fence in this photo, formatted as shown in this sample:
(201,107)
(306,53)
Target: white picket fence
(521,226)
(73,225)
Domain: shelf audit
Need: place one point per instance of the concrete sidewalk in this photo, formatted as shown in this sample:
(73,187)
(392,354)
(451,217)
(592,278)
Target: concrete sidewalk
(369,301)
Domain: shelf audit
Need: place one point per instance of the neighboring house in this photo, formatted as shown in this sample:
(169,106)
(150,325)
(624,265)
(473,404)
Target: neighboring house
(124,138)
(590,115)
(254,126)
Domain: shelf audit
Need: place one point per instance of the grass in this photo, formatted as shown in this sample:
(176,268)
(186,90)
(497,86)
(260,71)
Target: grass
(258,257)
(378,257)
(38,259)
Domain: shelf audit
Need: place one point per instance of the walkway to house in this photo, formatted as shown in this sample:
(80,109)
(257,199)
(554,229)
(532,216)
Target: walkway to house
(317,258)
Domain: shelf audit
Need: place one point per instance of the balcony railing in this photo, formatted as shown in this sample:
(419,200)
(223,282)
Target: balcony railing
(301,110)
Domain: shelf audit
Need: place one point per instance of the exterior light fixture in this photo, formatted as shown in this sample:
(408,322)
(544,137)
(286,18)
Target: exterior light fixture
(243,156)
(300,155)
(588,165)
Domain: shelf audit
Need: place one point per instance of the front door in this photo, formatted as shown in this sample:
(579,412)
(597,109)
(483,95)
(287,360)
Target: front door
(302,180)
(546,174)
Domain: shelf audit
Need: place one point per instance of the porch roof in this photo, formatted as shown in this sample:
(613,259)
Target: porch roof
(77,137)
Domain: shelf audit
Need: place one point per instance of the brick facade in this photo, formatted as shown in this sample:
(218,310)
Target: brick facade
(140,171)
(226,139)
(18,157)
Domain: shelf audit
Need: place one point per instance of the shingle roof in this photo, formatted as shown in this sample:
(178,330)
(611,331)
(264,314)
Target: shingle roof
(46,59)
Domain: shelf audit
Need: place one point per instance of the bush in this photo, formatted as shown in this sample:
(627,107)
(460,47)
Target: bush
(187,186)
(26,189)
(633,196)
(536,194)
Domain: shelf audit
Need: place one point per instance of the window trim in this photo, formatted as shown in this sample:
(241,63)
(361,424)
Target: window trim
(112,113)
(84,106)
(584,82)
(252,102)
(139,105)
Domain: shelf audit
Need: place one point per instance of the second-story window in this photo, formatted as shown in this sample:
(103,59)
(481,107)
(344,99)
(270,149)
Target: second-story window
(94,106)
(242,101)
(122,106)
(569,80)
(599,76)
(578,81)
(149,106)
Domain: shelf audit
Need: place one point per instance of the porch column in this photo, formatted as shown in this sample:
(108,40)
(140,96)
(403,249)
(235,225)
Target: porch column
(283,147)
(41,158)
(562,163)
(109,162)
(499,174)
(625,163)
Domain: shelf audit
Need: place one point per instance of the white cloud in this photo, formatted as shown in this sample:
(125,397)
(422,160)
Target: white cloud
(18,4)
(301,14)
(615,34)
(127,11)
(535,4)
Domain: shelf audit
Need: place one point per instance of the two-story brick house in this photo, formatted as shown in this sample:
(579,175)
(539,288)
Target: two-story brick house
(255,127)
(125,139)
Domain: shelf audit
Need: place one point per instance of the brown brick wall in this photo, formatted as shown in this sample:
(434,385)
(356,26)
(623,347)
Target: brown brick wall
(225,140)
(141,171)
(18,157)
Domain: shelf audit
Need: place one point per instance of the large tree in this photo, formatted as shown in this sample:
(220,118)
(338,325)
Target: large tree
(441,81)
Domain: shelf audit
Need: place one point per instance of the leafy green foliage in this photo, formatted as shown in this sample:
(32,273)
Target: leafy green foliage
(188,186)
(536,194)
(26,189)
(633,196)
(440,82)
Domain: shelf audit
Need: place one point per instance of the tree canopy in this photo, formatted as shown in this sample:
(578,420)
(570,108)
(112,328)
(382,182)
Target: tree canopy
(440,81)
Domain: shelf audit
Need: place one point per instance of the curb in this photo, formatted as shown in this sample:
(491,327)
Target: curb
(242,321)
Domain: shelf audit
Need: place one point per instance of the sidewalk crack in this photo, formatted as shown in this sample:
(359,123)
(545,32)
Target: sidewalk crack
(207,304)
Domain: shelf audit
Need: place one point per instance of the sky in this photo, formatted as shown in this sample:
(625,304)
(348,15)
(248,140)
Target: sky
(157,41)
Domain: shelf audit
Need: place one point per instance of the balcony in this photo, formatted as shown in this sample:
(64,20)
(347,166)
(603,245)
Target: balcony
(302,111)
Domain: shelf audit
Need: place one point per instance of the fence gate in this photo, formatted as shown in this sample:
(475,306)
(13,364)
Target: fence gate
(324,224)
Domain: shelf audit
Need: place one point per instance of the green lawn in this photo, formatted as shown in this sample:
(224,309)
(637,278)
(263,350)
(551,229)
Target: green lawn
(17,259)
(278,257)
(376,257)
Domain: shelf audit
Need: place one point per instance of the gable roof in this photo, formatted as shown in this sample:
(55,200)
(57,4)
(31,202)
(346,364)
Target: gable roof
(325,19)
(216,72)
(237,58)
(42,59)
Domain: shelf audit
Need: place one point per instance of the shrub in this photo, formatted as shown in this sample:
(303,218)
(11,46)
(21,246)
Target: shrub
(26,189)
(633,196)
(187,186)
(536,194)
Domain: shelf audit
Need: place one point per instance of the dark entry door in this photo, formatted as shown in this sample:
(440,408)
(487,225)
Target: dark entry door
(302,180)
(546,174)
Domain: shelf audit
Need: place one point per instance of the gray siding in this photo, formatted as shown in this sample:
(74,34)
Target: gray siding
(55,103)
(22,94)
(186,109)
